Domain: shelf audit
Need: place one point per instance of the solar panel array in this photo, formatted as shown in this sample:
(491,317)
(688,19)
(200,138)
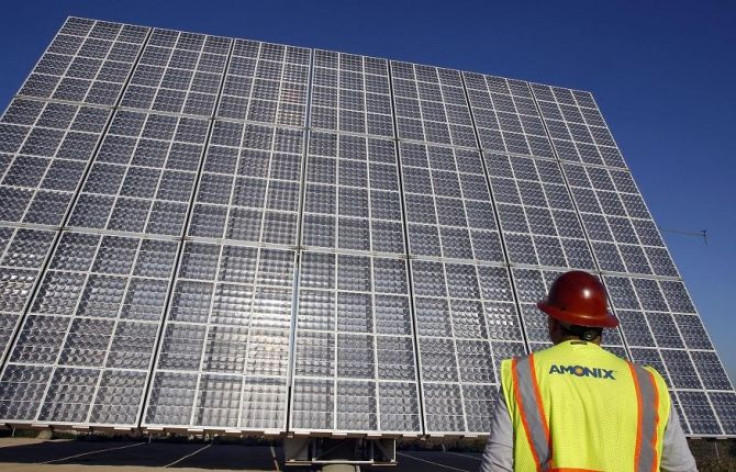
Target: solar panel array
(205,233)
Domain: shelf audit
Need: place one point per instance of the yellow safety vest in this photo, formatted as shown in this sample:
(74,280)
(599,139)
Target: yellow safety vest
(577,407)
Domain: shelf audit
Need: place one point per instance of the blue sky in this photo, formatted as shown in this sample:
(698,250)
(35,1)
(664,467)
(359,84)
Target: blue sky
(663,73)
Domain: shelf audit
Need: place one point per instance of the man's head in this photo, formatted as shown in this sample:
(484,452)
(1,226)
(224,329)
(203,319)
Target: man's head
(576,305)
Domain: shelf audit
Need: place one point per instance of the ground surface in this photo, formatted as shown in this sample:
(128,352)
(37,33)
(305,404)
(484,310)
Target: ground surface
(31,455)
(38,455)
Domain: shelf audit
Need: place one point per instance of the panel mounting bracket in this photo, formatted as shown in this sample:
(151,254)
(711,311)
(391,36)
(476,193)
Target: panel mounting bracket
(334,451)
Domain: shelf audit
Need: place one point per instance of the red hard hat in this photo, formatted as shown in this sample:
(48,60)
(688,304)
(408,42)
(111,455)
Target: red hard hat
(578,298)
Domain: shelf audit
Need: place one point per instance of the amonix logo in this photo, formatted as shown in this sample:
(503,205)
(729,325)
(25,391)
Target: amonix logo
(581,371)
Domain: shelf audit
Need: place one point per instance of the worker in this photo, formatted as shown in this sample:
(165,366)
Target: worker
(575,406)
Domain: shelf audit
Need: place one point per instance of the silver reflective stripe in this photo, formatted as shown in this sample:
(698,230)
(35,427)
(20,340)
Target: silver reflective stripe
(535,422)
(649,401)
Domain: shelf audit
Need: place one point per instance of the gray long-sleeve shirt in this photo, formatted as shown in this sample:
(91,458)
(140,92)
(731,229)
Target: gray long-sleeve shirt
(499,452)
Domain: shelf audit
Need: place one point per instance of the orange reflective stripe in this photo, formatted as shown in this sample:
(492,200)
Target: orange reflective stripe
(639,415)
(538,397)
(520,403)
(650,398)
(655,408)
(529,401)
(647,402)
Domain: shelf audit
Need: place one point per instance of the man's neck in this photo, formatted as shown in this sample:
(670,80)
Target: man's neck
(597,341)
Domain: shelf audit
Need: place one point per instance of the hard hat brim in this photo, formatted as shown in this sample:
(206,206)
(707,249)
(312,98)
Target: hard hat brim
(606,321)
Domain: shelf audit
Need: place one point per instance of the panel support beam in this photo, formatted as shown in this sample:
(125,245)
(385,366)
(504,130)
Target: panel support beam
(339,454)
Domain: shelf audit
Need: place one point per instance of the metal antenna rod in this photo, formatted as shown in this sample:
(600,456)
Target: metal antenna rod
(703,233)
